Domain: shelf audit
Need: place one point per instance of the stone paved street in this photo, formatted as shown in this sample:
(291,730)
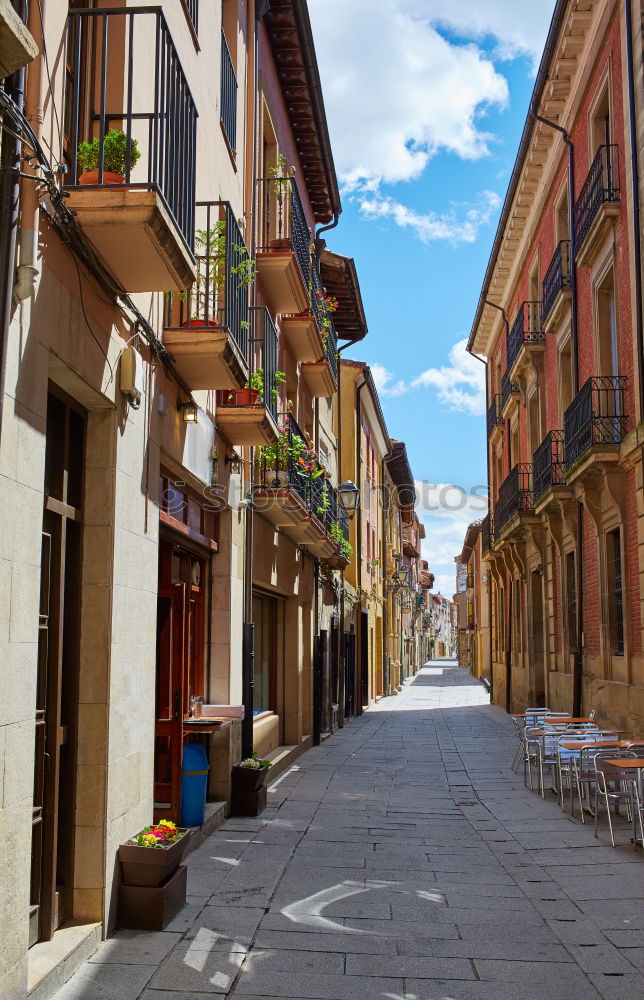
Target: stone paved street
(401,860)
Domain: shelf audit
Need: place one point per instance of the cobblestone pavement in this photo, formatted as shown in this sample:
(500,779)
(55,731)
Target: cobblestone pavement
(401,860)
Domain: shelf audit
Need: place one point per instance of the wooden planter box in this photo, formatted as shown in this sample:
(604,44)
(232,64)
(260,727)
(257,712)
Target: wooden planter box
(150,866)
(248,796)
(151,908)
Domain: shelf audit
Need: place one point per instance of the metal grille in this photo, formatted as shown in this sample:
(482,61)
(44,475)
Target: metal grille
(494,418)
(285,465)
(343,521)
(515,495)
(619,595)
(557,277)
(527,329)
(148,99)
(228,94)
(596,416)
(487,533)
(283,222)
(323,318)
(264,348)
(600,187)
(549,463)
(219,296)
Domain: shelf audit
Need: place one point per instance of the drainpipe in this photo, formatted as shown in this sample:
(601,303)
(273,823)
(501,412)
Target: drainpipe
(359,540)
(635,180)
(27,270)
(256,12)
(9,208)
(574,336)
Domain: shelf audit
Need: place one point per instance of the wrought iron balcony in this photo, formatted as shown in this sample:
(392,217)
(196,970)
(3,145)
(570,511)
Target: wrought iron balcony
(219,296)
(508,389)
(548,461)
(515,495)
(228,95)
(601,187)
(558,277)
(284,234)
(494,418)
(596,416)
(125,74)
(249,415)
(487,533)
(527,329)
(283,467)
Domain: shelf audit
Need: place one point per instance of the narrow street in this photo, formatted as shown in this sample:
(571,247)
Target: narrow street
(400,860)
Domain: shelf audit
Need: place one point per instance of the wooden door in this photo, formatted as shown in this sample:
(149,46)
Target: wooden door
(55,736)
(168,732)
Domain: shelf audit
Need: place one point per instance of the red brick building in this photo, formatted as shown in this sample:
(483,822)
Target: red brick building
(559,323)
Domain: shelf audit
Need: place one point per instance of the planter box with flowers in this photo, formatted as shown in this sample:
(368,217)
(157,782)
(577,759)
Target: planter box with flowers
(154,883)
(248,789)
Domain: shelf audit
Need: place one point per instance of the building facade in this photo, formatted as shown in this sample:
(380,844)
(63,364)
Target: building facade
(559,323)
(472,601)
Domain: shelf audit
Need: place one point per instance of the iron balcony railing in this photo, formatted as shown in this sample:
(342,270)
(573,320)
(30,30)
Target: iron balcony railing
(343,521)
(527,329)
(283,223)
(228,95)
(219,296)
(284,468)
(596,416)
(548,461)
(515,495)
(557,277)
(125,74)
(508,389)
(323,317)
(487,533)
(192,7)
(263,352)
(601,187)
(494,418)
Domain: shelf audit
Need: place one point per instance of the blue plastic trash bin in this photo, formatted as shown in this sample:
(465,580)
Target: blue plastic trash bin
(194,779)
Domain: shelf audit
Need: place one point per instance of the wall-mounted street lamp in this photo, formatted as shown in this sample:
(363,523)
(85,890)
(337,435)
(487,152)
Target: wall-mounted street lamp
(189,412)
(235,462)
(349,496)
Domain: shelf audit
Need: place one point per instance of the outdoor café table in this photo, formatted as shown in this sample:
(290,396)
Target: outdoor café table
(635,764)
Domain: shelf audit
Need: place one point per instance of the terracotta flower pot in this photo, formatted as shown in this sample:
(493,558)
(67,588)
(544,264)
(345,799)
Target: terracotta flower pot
(199,324)
(151,866)
(280,244)
(91,177)
(238,397)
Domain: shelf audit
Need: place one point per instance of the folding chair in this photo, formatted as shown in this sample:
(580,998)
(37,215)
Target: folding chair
(577,767)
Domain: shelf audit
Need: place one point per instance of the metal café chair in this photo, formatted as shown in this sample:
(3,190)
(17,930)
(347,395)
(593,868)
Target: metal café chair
(624,786)
(548,748)
(577,766)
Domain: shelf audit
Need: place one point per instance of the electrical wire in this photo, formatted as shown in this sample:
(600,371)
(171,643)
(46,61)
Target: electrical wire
(51,89)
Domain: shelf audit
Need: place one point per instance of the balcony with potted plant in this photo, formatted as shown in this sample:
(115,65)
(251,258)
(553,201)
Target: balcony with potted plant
(131,186)
(283,475)
(321,374)
(305,332)
(207,328)
(284,246)
(248,415)
(339,532)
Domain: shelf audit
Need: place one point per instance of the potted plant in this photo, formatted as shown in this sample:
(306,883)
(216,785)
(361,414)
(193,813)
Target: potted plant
(153,889)
(152,855)
(345,550)
(253,391)
(247,784)
(115,158)
(282,176)
(210,255)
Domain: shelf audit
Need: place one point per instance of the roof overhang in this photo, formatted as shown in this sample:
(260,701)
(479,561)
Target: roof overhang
(291,38)
(562,73)
(340,279)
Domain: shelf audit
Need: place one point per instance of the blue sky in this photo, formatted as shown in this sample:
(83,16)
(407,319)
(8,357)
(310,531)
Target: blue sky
(426,101)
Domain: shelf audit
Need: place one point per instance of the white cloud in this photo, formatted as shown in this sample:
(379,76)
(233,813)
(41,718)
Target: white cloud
(461,224)
(397,92)
(382,378)
(460,385)
(450,502)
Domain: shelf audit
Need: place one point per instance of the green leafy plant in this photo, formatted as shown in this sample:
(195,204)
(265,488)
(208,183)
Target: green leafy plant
(281,174)
(254,762)
(325,502)
(256,382)
(346,549)
(115,151)
(245,271)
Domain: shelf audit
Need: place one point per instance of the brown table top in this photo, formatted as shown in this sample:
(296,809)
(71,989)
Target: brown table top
(580,744)
(634,762)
